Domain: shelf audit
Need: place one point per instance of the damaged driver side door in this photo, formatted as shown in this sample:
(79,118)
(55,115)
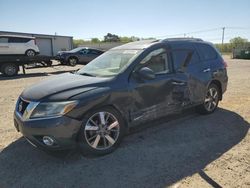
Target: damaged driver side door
(156,89)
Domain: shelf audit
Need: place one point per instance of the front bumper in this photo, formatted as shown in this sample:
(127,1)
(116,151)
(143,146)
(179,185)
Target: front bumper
(60,59)
(63,130)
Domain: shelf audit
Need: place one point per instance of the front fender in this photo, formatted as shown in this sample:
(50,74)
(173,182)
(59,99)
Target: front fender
(101,97)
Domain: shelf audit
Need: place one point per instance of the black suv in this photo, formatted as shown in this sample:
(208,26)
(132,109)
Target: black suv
(78,55)
(128,85)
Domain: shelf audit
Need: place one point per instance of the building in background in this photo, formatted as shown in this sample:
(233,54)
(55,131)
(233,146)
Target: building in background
(48,44)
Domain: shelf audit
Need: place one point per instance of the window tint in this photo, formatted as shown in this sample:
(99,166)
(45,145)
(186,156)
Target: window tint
(18,40)
(3,40)
(94,52)
(157,60)
(179,56)
(180,52)
(84,51)
(206,51)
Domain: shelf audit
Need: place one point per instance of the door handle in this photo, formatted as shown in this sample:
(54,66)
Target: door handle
(178,83)
(207,70)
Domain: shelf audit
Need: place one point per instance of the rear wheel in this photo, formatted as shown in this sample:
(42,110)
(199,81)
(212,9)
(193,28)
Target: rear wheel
(211,100)
(72,61)
(9,69)
(101,132)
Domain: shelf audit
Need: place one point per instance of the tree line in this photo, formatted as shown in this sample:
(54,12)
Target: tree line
(107,38)
(237,42)
(234,43)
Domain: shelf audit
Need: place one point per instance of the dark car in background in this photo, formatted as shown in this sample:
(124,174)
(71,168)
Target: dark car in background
(138,82)
(81,55)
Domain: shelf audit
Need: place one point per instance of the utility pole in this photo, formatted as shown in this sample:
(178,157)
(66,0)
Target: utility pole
(223,33)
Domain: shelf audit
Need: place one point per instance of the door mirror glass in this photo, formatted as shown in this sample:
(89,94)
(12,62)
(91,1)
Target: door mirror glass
(146,73)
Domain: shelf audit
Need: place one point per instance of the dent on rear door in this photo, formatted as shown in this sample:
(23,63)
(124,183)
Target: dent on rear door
(199,80)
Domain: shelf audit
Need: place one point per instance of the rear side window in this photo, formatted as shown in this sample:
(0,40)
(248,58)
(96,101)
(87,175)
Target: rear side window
(3,40)
(18,40)
(206,52)
(180,53)
(179,57)
(94,52)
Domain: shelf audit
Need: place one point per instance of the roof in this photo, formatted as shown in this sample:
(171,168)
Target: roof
(138,45)
(31,34)
(19,36)
(90,48)
(181,39)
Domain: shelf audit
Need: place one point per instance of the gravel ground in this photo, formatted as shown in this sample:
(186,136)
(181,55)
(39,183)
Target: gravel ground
(187,150)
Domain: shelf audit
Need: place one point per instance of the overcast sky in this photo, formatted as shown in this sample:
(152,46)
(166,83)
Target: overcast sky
(143,18)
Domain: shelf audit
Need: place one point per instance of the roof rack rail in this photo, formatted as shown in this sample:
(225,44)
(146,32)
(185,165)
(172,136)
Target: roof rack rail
(182,39)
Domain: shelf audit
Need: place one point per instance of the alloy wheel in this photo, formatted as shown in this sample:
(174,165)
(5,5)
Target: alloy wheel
(30,53)
(102,130)
(211,99)
(72,61)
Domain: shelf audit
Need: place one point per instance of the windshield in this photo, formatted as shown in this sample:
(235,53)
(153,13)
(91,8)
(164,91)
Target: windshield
(76,49)
(110,63)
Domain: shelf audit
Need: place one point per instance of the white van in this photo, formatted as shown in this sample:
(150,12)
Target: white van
(18,45)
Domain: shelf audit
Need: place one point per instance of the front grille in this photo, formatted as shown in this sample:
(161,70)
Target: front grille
(22,105)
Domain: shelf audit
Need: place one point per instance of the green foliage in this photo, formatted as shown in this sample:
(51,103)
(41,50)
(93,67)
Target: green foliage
(126,39)
(226,47)
(236,42)
(78,42)
(111,38)
(149,38)
(95,40)
(107,38)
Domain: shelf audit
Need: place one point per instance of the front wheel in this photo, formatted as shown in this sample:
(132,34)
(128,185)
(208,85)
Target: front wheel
(101,132)
(211,100)
(72,61)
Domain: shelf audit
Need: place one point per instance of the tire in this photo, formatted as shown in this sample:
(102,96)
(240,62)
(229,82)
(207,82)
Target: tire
(211,100)
(100,138)
(48,63)
(72,61)
(30,53)
(10,69)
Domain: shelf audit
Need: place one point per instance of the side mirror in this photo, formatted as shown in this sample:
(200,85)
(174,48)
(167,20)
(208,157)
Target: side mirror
(146,73)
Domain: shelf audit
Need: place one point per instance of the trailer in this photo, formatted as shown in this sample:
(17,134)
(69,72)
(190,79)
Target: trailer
(10,64)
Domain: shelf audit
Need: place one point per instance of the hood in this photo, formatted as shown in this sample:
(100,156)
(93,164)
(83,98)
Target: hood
(62,87)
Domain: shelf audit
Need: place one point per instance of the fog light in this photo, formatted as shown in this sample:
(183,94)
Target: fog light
(48,141)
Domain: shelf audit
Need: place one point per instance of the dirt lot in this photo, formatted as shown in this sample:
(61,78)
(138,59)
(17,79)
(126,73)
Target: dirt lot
(189,150)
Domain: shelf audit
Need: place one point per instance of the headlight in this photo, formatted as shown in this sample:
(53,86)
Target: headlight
(52,109)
